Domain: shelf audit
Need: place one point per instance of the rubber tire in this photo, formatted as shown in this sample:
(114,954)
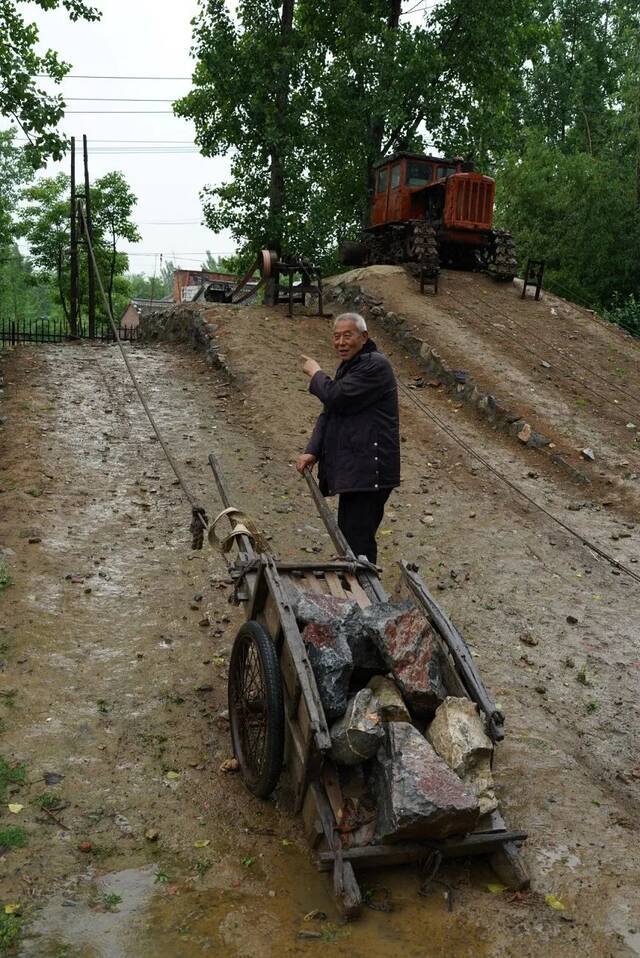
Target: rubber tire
(252,632)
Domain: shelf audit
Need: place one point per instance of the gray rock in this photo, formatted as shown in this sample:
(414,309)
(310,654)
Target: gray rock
(356,736)
(363,649)
(458,735)
(321,607)
(410,651)
(332,664)
(418,796)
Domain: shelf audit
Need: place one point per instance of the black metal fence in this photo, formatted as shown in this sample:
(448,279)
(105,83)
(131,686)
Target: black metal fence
(16,332)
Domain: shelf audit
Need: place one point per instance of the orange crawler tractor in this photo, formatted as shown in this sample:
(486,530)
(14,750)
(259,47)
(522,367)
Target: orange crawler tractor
(427,211)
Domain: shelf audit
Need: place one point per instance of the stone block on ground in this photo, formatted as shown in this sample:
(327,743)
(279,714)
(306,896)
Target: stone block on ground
(332,664)
(391,705)
(321,607)
(356,736)
(410,651)
(418,795)
(458,735)
(364,650)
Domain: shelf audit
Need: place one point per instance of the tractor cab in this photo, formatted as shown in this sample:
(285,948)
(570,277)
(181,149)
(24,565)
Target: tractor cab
(427,210)
(412,186)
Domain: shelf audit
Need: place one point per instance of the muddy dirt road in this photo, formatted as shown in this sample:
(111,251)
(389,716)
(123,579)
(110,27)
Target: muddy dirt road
(115,639)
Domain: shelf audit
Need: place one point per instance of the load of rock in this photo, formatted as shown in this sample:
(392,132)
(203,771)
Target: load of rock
(419,796)
(424,754)
(458,736)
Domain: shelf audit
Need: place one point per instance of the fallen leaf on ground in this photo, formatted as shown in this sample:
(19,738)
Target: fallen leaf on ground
(202,843)
(496,889)
(230,765)
(11,909)
(172,776)
(554,903)
(15,808)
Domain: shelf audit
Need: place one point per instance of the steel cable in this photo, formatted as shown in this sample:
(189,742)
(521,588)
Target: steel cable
(496,472)
(199,515)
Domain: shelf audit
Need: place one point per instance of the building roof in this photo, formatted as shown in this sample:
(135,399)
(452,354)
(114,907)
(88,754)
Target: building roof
(142,305)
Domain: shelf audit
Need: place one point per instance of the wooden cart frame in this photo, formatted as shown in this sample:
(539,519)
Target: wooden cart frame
(267,588)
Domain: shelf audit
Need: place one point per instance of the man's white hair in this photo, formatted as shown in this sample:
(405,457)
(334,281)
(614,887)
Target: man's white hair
(356,318)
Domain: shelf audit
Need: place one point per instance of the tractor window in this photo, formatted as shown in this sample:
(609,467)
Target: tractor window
(445,171)
(395,176)
(419,173)
(382,180)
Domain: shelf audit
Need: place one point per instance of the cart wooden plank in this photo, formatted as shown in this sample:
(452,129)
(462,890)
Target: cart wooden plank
(371,856)
(335,586)
(298,652)
(357,591)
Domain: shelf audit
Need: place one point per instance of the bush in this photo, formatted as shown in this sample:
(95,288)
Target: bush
(625,313)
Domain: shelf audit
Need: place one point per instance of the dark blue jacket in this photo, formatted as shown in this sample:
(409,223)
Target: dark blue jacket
(356,439)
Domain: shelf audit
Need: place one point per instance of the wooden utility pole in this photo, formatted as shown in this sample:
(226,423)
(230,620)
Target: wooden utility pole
(73,312)
(91,271)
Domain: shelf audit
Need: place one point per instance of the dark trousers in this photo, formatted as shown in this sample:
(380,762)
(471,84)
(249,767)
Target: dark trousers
(359,515)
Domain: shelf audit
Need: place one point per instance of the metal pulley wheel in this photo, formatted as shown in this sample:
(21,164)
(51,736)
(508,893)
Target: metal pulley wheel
(267,262)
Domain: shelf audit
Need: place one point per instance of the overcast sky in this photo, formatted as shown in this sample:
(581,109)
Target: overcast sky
(142,38)
(139,38)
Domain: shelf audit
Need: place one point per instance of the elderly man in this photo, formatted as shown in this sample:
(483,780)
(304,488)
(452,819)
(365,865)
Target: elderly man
(356,438)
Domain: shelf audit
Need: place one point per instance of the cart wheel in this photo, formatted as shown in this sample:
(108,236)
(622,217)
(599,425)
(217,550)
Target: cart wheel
(256,710)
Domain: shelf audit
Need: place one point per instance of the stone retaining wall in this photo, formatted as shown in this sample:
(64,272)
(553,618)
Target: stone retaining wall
(186,323)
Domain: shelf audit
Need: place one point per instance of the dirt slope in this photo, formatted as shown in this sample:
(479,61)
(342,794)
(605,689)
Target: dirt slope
(118,686)
(573,376)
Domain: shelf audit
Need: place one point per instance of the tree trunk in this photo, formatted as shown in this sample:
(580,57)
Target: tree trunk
(276,158)
(376,125)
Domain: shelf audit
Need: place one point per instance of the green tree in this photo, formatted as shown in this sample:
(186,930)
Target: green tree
(44,223)
(15,171)
(334,86)
(112,206)
(22,99)
(241,103)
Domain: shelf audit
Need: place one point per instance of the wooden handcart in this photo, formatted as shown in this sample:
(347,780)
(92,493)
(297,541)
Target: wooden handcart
(276,716)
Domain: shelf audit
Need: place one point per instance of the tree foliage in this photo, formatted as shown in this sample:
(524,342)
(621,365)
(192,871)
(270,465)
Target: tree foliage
(545,94)
(570,189)
(345,83)
(43,220)
(22,98)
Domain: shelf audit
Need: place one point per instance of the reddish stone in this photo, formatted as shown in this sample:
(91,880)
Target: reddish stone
(410,651)
(418,795)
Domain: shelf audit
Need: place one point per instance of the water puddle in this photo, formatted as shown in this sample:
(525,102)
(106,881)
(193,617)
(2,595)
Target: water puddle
(100,923)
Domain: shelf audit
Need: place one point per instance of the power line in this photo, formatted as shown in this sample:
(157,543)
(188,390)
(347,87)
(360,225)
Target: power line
(182,142)
(119,99)
(69,112)
(86,76)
